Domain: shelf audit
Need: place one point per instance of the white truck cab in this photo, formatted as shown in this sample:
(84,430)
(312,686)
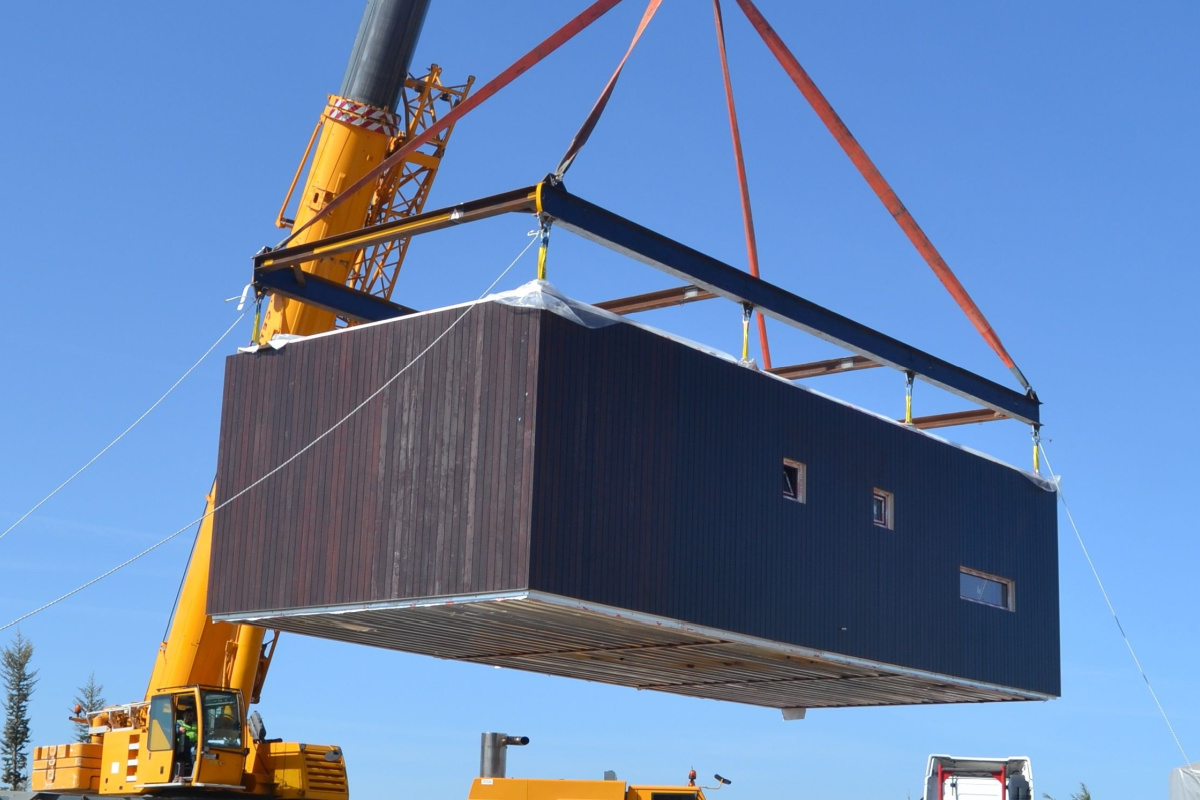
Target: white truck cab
(961,778)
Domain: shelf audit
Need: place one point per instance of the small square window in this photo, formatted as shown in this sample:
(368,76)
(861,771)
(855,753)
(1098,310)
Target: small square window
(882,508)
(794,481)
(989,590)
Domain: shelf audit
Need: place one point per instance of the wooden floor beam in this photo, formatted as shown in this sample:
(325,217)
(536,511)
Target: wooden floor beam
(652,300)
(830,366)
(956,418)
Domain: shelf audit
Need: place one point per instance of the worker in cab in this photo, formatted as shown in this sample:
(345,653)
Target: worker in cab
(185,742)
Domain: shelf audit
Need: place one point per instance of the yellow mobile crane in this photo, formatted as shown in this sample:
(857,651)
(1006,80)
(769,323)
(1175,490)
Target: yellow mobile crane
(191,735)
(191,731)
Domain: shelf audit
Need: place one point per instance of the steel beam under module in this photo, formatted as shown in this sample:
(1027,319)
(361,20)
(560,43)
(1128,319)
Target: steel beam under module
(329,295)
(628,238)
(830,366)
(969,417)
(653,300)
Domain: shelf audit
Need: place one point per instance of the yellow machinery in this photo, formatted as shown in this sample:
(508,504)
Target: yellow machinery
(192,734)
(547,789)
(493,784)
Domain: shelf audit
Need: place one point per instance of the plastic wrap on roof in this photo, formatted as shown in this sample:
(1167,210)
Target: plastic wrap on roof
(545,296)
(1184,783)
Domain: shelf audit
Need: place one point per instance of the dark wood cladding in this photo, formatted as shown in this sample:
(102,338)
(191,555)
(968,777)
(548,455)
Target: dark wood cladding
(662,493)
(425,491)
(618,467)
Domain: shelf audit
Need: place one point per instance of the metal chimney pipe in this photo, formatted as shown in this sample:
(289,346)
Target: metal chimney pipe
(383,51)
(493,752)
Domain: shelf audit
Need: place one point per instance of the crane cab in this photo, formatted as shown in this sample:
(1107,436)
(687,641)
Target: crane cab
(189,736)
(194,736)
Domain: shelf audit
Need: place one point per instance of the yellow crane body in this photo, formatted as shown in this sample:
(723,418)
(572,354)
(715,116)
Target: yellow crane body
(560,789)
(135,751)
(352,141)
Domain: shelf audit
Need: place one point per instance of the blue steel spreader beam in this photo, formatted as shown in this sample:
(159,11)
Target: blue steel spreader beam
(555,205)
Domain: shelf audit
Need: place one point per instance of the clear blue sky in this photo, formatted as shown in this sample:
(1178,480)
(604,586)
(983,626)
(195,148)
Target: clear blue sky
(1048,149)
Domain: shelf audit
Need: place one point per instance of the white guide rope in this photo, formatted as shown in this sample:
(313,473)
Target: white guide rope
(123,433)
(1095,574)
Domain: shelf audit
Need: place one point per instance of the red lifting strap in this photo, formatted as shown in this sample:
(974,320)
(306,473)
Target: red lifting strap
(589,124)
(747,215)
(876,181)
(520,66)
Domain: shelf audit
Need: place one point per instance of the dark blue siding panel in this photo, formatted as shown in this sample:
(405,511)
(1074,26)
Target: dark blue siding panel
(658,489)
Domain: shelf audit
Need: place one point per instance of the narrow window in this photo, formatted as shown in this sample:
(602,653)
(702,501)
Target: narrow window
(222,715)
(882,508)
(162,723)
(990,590)
(794,480)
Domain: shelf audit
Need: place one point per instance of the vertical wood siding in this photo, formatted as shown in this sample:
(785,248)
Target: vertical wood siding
(619,467)
(659,489)
(424,492)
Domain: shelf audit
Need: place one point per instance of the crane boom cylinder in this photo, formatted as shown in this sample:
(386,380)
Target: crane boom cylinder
(383,51)
(357,128)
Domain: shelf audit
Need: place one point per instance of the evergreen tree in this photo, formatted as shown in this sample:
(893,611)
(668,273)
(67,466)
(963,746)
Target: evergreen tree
(19,681)
(90,700)
(1082,794)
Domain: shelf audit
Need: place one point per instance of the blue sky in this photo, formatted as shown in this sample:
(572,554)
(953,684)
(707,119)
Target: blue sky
(1047,149)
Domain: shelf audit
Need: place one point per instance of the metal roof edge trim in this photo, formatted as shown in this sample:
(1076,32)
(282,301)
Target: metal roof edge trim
(380,605)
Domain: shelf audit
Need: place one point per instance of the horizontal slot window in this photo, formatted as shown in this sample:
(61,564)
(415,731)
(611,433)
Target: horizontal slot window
(988,590)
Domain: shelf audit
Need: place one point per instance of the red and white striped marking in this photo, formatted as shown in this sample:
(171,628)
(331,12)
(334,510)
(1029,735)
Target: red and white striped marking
(363,116)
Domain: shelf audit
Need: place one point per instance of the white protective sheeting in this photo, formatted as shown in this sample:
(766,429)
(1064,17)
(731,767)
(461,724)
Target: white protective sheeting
(1184,783)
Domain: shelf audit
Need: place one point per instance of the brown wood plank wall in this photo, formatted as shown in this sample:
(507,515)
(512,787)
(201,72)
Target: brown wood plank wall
(424,492)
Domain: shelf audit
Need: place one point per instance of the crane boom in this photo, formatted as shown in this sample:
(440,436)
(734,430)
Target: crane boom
(356,128)
(206,672)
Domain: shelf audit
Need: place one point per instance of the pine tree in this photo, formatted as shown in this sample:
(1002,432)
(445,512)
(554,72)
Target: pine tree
(90,700)
(1082,794)
(19,681)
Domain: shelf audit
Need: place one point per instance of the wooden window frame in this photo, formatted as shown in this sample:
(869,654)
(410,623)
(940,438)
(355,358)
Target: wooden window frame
(1010,589)
(800,485)
(889,508)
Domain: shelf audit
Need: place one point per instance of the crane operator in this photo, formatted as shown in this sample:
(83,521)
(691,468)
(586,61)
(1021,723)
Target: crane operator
(185,741)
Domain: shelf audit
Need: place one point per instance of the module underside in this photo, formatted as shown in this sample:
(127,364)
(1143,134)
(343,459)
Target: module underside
(585,497)
(557,636)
